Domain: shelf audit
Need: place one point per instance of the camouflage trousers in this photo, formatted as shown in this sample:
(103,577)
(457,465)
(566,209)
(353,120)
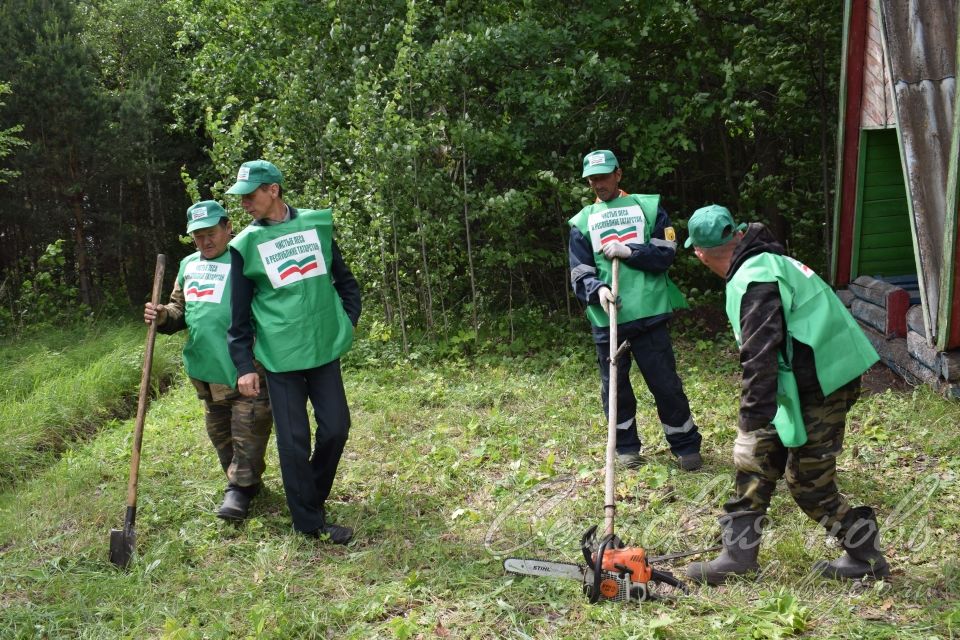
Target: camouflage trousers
(239,429)
(810,471)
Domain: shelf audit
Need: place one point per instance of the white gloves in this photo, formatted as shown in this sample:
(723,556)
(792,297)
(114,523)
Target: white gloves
(616,250)
(606,297)
(745,451)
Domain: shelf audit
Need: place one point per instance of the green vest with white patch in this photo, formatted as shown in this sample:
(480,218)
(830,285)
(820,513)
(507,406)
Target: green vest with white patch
(629,219)
(813,315)
(297,313)
(206,293)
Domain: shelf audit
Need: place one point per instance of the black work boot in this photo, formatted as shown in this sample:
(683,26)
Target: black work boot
(331,532)
(860,537)
(741,545)
(690,461)
(236,501)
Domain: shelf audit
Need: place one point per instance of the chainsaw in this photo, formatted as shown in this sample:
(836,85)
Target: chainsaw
(613,571)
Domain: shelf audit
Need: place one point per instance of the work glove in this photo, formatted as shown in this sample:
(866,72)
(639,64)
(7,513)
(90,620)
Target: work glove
(745,451)
(616,250)
(606,297)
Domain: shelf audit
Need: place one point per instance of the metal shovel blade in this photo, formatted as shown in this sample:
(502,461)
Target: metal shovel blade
(122,544)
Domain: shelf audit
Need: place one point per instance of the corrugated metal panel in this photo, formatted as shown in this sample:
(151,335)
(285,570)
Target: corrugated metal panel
(950,288)
(877,109)
(920,39)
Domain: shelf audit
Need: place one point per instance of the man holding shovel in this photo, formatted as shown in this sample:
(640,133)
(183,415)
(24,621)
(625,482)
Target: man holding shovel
(295,304)
(238,426)
(802,355)
(636,230)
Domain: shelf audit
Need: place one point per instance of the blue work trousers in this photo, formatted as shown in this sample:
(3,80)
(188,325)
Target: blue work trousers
(653,352)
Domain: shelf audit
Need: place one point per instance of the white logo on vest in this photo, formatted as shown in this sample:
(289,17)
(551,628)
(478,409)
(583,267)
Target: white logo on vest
(292,258)
(621,224)
(205,281)
(804,269)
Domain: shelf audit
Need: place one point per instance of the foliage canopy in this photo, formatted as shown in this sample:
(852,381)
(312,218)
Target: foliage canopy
(447,136)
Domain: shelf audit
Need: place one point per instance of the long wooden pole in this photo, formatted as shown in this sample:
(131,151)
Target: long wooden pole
(123,541)
(144,391)
(610,496)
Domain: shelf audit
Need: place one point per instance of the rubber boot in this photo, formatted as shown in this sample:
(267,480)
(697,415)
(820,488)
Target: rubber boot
(860,537)
(741,545)
(236,502)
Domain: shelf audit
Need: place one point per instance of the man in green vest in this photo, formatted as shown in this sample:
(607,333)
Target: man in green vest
(636,230)
(295,304)
(238,426)
(802,355)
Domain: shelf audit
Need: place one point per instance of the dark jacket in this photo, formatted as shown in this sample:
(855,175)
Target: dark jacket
(762,335)
(655,257)
(240,336)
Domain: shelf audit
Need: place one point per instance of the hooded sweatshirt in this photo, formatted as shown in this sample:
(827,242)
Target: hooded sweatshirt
(762,336)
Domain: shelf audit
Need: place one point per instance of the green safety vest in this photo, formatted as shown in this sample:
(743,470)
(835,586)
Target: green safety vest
(629,219)
(297,313)
(814,316)
(206,292)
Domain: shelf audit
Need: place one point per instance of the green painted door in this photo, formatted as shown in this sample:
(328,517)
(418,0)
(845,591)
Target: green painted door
(882,242)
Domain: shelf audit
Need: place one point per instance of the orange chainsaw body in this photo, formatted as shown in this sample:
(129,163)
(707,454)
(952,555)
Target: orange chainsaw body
(631,559)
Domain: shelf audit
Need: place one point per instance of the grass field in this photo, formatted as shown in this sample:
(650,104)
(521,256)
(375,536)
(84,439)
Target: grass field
(451,465)
(60,385)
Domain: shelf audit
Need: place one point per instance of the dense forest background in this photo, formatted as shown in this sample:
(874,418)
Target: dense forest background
(447,136)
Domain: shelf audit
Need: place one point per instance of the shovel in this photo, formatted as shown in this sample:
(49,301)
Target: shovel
(123,541)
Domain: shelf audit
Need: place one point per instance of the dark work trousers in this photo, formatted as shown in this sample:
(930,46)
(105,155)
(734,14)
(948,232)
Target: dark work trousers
(654,355)
(308,471)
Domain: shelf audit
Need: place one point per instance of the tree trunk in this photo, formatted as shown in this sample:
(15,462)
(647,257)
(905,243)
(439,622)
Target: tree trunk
(510,304)
(443,314)
(121,261)
(824,166)
(767,154)
(80,251)
(396,282)
(384,286)
(428,289)
(152,213)
(466,224)
(567,284)
(727,169)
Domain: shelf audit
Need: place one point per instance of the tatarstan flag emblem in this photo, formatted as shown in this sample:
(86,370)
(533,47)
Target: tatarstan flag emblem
(200,290)
(618,235)
(292,266)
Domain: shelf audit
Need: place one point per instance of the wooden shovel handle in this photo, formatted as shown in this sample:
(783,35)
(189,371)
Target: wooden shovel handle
(144,387)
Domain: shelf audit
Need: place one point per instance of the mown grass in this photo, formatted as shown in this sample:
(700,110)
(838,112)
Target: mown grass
(451,465)
(60,385)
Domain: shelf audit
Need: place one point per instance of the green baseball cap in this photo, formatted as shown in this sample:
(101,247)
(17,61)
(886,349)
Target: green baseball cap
(253,174)
(602,161)
(204,214)
(711,226)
